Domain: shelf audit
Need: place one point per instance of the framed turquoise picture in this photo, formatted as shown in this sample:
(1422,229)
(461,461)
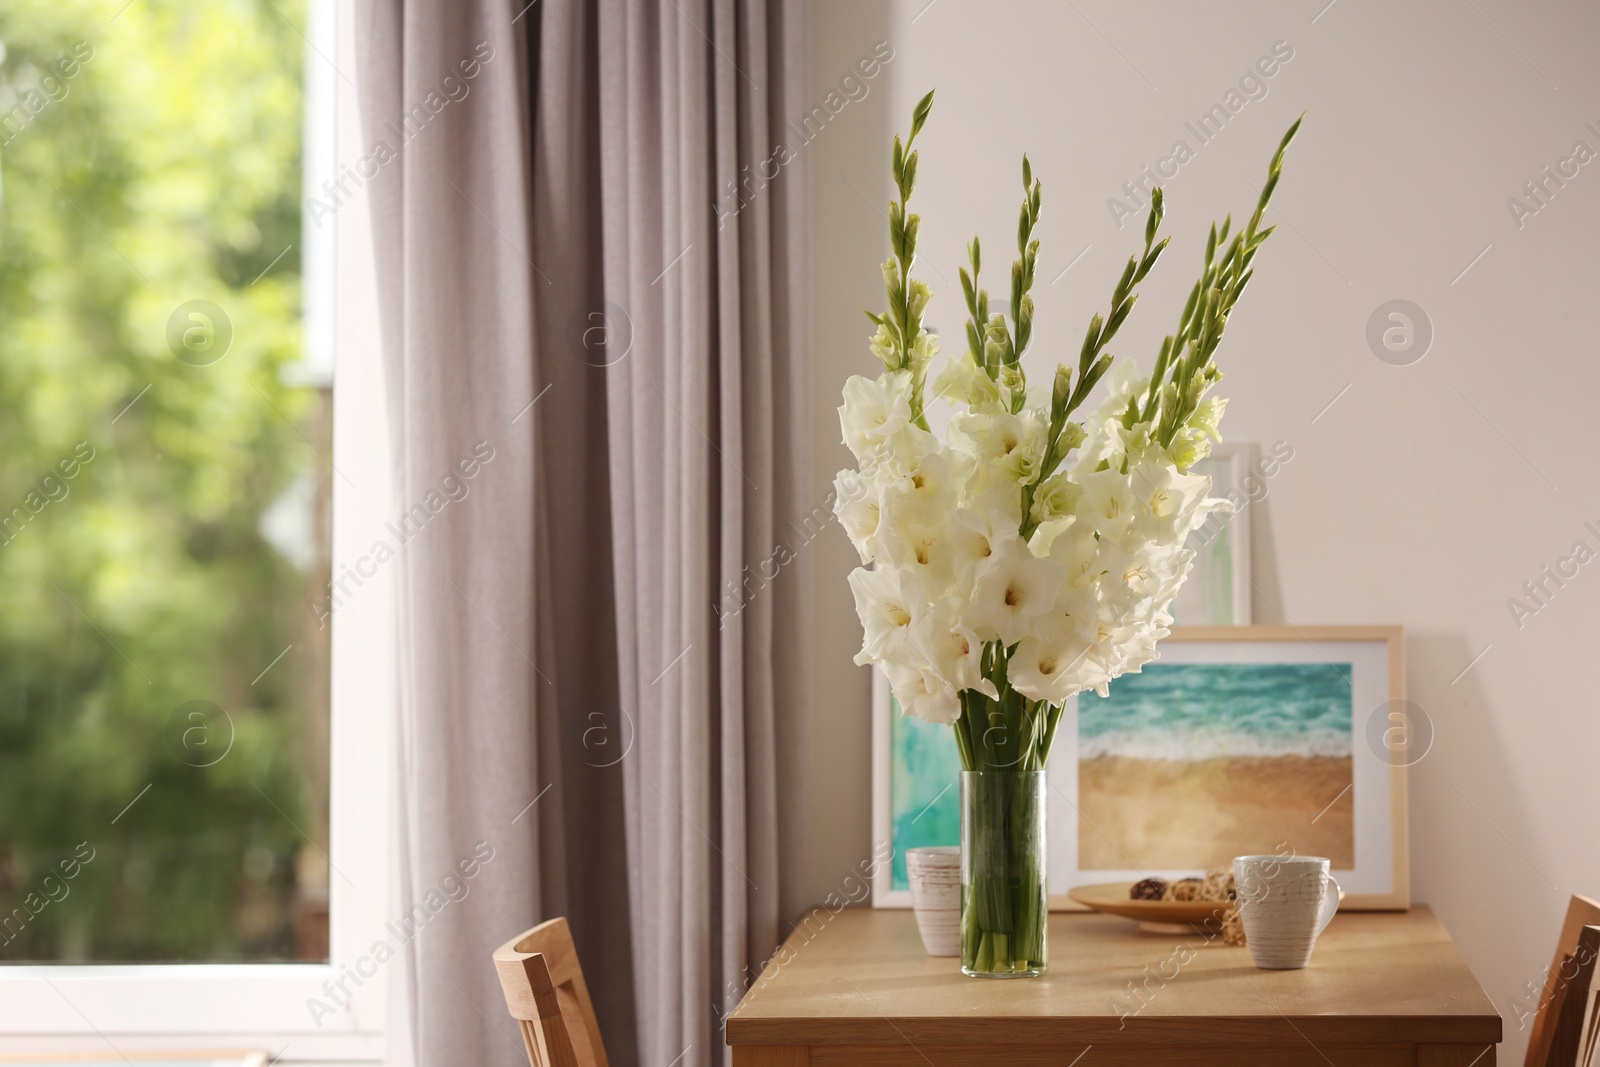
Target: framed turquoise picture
(1236,741)
(924,801)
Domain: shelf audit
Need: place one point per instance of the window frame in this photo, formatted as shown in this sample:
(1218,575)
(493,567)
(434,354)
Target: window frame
(116,1009)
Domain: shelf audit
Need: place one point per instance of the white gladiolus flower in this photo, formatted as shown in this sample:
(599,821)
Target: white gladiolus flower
(1010,591)
(1167,502)
(1189,446)
(1007,447)
(1107,505)
(1081,606)
(976,534)
(858,503)
(963,381)
(874,412)
(1208,416)
(1042,543)
(1071,543)
(919,694)
(882,345)
(1001,501)
(1011,381)
(1056,496)
(1054,665)
(1021,463)
(1108,441)
(907,447)
(923,555)
(928,491)
(1168,494)
(915,517)
(1123,383)
(1125,649)
(924,349)
(957,653)
(1132,583)
(886,612)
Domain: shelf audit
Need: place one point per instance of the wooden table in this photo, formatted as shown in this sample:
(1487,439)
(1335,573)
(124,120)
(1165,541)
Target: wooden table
(856,988)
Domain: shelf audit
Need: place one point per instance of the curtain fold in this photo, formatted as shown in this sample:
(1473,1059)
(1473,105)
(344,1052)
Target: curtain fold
(589,266)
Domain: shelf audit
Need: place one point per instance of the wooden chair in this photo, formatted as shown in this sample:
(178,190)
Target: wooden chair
(1569,987)
(545,993)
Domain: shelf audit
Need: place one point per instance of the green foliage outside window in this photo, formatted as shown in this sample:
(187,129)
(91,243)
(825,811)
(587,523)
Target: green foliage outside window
(149,158)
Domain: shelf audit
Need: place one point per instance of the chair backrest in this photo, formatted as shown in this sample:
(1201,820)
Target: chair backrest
(545,993)
(1567,988)
(1572,1032)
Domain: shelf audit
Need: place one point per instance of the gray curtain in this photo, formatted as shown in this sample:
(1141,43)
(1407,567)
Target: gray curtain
(590,254)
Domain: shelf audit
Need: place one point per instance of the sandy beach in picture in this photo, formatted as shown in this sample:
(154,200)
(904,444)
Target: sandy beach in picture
(1160,814)
(1187,765)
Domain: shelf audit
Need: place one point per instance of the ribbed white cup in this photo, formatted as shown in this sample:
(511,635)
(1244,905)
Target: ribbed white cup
(935,877)
(1284,902)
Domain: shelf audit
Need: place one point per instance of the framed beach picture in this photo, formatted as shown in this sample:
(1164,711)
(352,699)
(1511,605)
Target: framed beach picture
(1217,592)
(916,799)
(1237,741)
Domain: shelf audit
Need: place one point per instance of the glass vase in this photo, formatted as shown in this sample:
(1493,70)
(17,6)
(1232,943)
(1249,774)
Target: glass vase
(1005,911)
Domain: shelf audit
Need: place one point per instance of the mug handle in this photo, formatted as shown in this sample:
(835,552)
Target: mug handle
(1330,905)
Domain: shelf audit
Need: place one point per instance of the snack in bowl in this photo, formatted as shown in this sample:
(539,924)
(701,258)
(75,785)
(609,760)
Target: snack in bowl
(1148,889)
(1185,889)
(1217,885)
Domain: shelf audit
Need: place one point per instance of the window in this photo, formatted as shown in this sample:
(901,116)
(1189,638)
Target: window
(163,724)
(184,856)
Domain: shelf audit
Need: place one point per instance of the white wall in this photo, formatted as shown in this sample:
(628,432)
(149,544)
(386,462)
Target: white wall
(1427,494)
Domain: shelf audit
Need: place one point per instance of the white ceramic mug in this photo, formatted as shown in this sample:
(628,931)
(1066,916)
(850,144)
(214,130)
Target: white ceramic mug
(935,877)
(1284,902)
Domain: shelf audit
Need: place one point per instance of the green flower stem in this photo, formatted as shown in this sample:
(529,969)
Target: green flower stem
(1004,903)
(1005,907)
(903,321)
(1185,369)
(1008,732)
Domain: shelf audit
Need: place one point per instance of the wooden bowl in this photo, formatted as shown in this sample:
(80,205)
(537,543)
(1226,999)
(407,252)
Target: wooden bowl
(1112,898)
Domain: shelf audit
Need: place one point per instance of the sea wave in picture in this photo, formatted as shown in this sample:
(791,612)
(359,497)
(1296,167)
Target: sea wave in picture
(1196,711)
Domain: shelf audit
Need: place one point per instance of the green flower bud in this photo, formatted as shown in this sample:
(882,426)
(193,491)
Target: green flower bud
(919,297)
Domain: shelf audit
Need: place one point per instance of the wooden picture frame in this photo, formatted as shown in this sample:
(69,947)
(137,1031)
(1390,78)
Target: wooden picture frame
(914,768)
(1217,592)
(1375,749)
(889,886)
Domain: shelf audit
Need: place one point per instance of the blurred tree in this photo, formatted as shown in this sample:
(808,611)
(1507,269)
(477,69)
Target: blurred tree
(148,158)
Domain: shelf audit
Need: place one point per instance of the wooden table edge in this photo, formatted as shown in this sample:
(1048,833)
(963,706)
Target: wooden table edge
(877,1030)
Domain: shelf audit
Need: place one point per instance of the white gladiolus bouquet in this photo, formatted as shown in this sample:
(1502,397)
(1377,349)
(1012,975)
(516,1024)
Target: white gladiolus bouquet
(1035,550)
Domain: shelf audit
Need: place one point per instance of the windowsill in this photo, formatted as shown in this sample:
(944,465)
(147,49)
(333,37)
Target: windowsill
(138,1008)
